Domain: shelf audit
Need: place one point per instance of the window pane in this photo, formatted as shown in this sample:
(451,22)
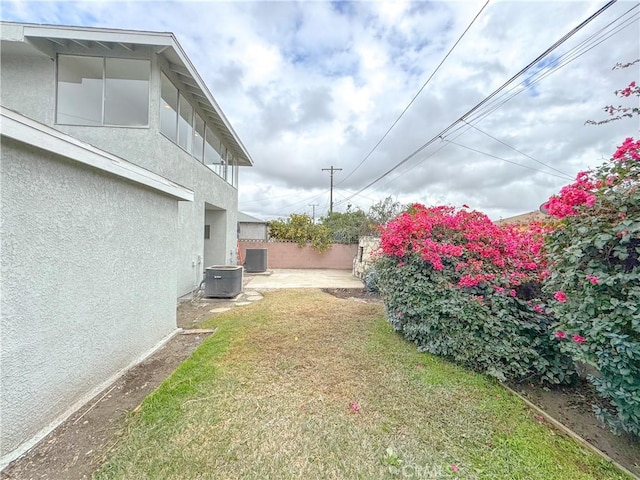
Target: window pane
(79,90)
(127,92)
(211,155)
(236,174)
(198,138)
(168,108)
(185,125)
(223,162)
(230,170)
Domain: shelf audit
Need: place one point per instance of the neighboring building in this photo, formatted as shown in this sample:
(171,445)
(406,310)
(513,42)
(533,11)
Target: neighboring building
(251,228)
(523,219)
(119,178)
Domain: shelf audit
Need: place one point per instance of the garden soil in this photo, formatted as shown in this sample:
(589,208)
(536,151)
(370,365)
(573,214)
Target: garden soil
(78,447)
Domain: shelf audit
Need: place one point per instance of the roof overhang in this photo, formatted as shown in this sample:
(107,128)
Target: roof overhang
(51,40)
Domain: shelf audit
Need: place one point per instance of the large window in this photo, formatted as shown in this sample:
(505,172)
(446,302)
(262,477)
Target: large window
(169,109)
(212,157)
(184,126)
(102,91)
(198,138)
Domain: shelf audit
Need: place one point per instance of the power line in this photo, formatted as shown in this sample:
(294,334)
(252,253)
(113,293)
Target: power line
(415,96)
(516,150)
(487,99)
(270,198)
(564,176)
(575,52)
(572,54)
(301,201)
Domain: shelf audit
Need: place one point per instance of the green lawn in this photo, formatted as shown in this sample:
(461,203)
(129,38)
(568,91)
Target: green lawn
(305,385)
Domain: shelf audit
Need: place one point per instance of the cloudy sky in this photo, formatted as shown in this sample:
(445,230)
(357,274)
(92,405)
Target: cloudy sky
(310,85)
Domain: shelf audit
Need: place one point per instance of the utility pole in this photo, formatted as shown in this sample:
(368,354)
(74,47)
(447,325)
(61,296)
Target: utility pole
(314,205)
(331,190)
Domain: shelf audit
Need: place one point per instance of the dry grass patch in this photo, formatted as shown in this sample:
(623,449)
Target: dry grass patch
(305,385)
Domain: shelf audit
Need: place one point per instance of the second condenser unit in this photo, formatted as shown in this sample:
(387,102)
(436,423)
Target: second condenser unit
(255,260)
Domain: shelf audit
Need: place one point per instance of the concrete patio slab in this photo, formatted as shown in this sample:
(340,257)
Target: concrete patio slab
(303,278)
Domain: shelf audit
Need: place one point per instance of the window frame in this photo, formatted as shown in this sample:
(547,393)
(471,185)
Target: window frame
(220,169)
(104,86)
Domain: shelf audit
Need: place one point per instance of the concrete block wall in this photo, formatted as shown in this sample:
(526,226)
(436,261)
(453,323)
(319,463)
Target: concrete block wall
(290,255)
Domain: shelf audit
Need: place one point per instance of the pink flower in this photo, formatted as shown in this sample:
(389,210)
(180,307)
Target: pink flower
(593,279)
(512,293)
(454,468)
(560,334)
(354,407)
(538,309)
(560,296)
(578,339)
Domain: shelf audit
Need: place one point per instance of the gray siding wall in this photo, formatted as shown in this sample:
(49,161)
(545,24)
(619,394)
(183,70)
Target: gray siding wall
(28,86)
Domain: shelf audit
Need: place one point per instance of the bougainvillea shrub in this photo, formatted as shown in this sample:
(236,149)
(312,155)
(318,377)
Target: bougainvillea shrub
(594,263)
(459,286)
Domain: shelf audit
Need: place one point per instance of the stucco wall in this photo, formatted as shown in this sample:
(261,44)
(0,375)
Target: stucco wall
(252,231)
(290,255)
(29,88)
(88,283)
(214,246)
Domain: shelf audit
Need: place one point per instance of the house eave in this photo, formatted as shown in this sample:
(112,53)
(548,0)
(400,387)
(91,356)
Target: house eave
(28,131)
(52,39)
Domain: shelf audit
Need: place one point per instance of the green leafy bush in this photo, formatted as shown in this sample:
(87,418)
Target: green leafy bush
(594,260)
(451,282)
(300,228)
(348,227)
(370,280)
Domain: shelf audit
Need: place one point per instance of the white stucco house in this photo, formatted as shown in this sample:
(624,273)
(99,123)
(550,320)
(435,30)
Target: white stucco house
(118,187)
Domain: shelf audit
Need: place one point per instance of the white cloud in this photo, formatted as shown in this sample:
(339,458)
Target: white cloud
(313,84)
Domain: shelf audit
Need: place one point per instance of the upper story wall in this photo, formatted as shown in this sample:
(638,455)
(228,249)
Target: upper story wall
(30,86)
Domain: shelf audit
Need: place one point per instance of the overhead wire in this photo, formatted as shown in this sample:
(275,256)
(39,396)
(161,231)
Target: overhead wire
(491,96)
(563,60)
(270,198)
(563,176)
(572,54)
(515,149)
(366,157)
